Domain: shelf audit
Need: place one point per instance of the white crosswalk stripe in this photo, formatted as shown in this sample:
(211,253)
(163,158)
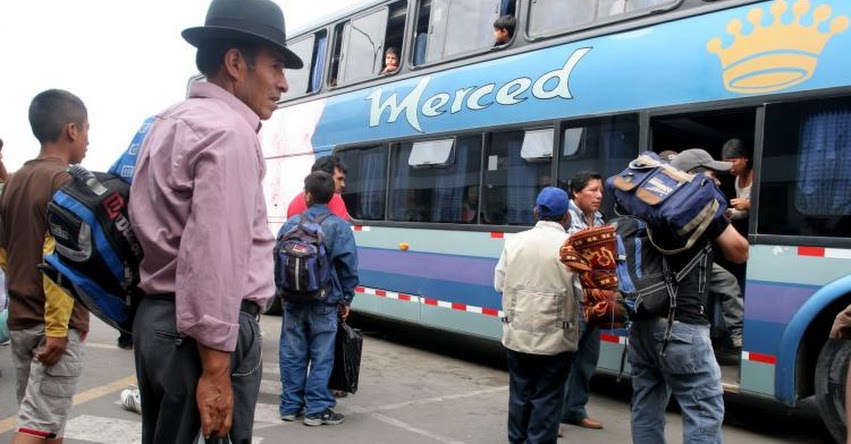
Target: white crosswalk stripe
(92,429)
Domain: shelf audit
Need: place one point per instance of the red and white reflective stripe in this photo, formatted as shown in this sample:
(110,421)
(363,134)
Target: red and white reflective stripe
(614,339)
(501,235)
(361,228)
(428,301)
(833,253)
(759,357)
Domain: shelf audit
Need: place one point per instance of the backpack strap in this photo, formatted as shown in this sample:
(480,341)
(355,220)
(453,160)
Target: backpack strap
(672,281)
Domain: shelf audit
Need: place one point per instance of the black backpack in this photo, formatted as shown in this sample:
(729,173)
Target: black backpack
(302,262)
(645,278)
(97,256)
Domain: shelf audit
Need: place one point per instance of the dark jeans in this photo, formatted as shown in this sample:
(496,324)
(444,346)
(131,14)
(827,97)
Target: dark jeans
(535,391)
(168,367)
(308,333)
(581,370)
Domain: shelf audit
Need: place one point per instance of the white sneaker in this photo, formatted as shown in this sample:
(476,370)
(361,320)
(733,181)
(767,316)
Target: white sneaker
(131,400)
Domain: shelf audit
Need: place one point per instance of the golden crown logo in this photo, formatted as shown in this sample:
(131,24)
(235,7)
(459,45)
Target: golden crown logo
(776,56)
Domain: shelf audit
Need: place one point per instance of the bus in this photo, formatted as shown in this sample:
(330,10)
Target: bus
(446,154)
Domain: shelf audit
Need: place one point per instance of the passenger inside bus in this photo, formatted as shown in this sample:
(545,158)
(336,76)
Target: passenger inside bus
(391,60)
(503,30)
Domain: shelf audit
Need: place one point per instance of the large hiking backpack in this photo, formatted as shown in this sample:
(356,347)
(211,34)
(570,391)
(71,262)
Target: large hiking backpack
(302,262)
(670,201)
(97,255)
(645,278)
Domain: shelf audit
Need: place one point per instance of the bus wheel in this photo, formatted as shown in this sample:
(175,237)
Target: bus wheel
(830,379)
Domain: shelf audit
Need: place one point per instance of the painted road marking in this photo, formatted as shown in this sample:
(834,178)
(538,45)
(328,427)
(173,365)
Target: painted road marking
(11,422)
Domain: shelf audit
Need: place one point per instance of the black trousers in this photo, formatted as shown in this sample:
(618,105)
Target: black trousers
(535,396)
(168,366)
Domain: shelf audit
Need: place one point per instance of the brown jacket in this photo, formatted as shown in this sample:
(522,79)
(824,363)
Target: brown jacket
(23,212)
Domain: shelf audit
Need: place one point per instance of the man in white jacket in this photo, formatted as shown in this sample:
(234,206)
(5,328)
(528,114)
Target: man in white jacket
(540,327)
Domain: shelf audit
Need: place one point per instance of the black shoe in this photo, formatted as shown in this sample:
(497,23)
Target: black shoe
(327,418)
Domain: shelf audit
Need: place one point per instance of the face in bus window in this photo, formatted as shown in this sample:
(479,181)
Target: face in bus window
(391,62)
(339,181)
(260,87)
(589,198)
(501,36)
(740,165)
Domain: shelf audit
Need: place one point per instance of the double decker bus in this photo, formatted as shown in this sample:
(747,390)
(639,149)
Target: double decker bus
(446,154)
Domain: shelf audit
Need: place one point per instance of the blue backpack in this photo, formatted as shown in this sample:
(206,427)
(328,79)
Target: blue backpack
(97,255)
(676,204)
(302,262)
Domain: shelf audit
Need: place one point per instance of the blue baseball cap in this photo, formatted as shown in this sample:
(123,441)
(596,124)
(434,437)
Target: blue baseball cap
(552,202)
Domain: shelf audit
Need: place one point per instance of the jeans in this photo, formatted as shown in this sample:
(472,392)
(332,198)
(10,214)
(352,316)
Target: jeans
(688,370)
(168,367)
(307,357)
(535,391)
(581,370)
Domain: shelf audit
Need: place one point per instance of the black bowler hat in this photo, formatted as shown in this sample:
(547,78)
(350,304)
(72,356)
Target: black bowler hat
(258,20)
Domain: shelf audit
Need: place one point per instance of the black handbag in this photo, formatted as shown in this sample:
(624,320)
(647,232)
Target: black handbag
(347,352)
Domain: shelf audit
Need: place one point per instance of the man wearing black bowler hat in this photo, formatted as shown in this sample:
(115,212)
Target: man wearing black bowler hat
(198,209)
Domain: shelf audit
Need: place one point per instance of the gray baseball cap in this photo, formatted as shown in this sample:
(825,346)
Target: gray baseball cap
(695,158)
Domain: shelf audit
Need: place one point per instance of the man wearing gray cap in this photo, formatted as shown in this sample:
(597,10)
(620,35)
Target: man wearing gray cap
(198,209)
(684,365)
(721,281)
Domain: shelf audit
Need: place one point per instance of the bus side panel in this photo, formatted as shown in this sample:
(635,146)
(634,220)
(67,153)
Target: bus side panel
(442,280)
(786,289)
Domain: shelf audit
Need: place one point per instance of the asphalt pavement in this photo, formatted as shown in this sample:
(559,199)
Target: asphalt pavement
(417,386)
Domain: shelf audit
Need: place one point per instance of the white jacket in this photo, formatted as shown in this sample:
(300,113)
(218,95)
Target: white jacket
(541,311)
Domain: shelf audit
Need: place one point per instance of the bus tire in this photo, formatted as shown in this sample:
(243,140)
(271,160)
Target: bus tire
(830,378)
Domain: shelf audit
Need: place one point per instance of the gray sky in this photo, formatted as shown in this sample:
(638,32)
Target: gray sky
(124,58)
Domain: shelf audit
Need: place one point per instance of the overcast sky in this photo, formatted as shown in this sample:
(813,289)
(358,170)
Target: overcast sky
(124,58)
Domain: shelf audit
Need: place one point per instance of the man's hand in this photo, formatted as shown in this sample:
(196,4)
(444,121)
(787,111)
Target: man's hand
(344,311)
(51,351)
(214,394)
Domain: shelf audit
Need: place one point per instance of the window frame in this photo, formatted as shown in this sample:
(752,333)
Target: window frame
(596,23)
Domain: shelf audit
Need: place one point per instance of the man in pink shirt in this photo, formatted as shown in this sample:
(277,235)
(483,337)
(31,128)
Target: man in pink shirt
(198,209)
(335,167)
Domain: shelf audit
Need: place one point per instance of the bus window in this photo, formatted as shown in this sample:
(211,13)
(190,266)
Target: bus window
(605,145)
(512,181)
(547,17)
(311,49)
(805,176)
(432,184)
(446,28)
(366,181)
(359,43)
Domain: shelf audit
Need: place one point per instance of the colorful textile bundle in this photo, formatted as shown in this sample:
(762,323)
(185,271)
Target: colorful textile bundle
(592,254)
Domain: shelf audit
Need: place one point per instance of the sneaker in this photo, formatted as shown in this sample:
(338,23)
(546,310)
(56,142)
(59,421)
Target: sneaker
(292,416)
(131,400)
(327,418)
(6,342)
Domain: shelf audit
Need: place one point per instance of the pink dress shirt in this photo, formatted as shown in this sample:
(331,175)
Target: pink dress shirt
(198,210)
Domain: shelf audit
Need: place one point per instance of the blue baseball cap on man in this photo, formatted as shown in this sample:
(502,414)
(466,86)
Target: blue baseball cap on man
(552,202)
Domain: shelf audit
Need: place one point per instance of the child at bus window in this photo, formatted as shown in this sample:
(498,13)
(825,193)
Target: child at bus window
(503,30)
(391,60)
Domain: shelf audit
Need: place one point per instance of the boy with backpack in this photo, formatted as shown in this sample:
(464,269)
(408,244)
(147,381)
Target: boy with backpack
(676,356)
(47,328)
(316,275)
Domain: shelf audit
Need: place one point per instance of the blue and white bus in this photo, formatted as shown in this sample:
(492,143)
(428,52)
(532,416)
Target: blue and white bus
(447,154)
